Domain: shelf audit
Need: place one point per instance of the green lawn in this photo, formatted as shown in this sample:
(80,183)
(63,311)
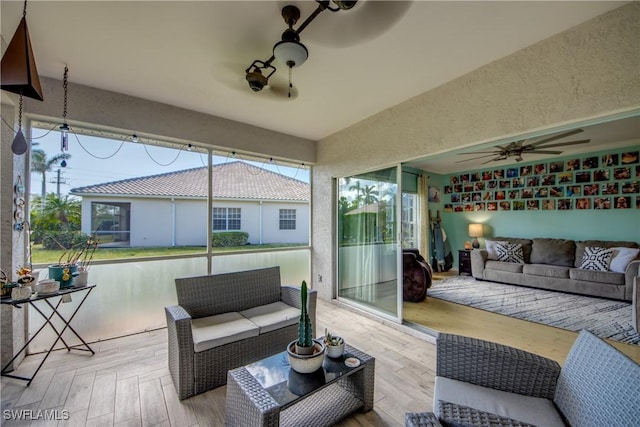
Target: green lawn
(44,256)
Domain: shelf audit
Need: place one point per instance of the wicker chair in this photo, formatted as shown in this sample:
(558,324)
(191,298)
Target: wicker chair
(480,383)
(195,372)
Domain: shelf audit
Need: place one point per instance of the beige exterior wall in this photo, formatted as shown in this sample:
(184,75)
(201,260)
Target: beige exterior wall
(588,72)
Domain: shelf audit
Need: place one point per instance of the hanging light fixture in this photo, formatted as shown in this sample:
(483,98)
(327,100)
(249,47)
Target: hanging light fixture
(290,51)
(19,72)
(64,129)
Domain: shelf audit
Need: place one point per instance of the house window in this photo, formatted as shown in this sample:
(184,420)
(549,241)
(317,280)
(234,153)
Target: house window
(227,219)
(111,223)
(287,219)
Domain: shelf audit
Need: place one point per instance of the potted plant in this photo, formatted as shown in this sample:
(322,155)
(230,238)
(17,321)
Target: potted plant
(305,354)
(334,345)
(72,263)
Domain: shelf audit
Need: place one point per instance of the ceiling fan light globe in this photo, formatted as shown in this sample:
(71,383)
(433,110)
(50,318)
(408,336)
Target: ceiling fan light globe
(291,53)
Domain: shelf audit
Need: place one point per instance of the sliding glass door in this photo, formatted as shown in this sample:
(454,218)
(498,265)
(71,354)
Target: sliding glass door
(369,253)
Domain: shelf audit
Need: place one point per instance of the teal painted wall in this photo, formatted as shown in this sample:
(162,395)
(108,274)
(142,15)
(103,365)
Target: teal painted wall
(609,224)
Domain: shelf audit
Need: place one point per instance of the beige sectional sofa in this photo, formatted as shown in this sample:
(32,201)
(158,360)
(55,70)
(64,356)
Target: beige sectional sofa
(555,264)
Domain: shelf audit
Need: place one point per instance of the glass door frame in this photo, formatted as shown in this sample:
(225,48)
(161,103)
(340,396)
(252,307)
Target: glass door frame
(398,318)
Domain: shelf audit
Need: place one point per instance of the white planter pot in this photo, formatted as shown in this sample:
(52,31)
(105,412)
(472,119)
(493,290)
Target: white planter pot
(305,364)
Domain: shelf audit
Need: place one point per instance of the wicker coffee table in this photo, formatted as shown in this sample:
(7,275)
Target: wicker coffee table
(270,393)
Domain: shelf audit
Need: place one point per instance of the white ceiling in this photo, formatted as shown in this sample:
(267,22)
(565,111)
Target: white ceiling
(193,54)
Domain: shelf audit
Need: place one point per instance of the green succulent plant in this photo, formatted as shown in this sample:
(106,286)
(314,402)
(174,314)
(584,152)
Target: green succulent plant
(305,332)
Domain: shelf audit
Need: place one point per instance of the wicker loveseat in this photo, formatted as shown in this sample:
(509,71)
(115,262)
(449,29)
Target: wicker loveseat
(224,321)
(480,383)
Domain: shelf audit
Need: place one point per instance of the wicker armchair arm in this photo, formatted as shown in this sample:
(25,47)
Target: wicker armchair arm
(180,356)
(421,419)
(496,366)
(291,295)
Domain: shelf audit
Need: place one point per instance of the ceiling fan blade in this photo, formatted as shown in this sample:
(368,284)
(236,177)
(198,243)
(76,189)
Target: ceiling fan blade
(480,152)
(561,144)
(544,152)
(495,159)
(366,21)
(476,158)
(554,137)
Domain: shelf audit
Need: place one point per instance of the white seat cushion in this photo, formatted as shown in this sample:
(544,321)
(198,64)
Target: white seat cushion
(270,317)
(214,331)
(532,410)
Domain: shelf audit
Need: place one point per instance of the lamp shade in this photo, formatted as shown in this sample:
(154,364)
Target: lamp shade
(475,230)
(291,53)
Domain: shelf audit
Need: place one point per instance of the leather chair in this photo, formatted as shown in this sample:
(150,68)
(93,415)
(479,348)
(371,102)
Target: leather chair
(416,276)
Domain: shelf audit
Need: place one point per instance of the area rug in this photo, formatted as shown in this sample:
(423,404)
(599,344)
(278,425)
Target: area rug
(604,318)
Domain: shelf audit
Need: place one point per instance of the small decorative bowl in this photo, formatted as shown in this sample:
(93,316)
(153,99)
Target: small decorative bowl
(335,351)
(46,287)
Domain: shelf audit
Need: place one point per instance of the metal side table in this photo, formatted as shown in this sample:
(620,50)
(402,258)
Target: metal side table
(46,299)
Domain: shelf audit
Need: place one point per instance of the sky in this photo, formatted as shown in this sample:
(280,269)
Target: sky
(96,160)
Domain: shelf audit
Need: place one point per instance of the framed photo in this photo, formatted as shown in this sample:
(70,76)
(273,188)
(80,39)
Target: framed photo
(601,175)
(498,174)
(492,184)
(465,198)
(517,183)
(574,190)
(590,162)
(629,158)
(555,167)
(527,193)
(448,189)
(549,179)
(609,160)
(637,171)
(533,181)
(512,173)
(488,195)
(467,186)
(630,187)
(500,195)
(505,183)
(556,191)
(602,203)
(609,188)
(565,178)
(479,186)
(468,207)
(572,165)
(582,177)
(457,188)
(464,177)
(525,170)
(455,198)
(541,192)
(591,189)
(487,175)
(514,194)
(518,205)
(492,206)
(549,204)
(476,176)
(583,203)
(480,206)
(454,179)
(434,194)
(565,204)
(622,173)
(476,197)
(458,207)
(623,202)
(533,205)
(540,168)
(448,207)
(504,206)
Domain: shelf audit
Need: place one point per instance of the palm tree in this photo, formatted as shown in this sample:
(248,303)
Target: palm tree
(41,164)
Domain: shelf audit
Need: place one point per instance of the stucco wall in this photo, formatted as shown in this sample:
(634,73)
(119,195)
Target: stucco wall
(587,72)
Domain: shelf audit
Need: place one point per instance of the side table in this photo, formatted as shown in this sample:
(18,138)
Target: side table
(45,298)
(464,262)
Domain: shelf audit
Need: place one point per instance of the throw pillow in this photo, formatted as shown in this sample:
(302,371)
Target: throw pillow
(621,258)
(509,252)
(596,258)
(491,248)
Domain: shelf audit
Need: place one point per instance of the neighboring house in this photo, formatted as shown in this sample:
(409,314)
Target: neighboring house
(171,209)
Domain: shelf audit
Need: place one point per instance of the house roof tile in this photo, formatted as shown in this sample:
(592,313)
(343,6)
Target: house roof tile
(233,180)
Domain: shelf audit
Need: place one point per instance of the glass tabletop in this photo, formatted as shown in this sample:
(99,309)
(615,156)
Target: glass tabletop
(285,385)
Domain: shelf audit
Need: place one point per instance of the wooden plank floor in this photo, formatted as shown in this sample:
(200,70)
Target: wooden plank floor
(127,382)
(544,340)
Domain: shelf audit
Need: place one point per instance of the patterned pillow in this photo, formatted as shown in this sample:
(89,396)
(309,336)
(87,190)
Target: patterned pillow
(510,252)
(596,258)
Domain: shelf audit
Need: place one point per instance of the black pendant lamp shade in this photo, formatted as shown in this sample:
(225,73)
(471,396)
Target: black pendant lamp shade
(19,73)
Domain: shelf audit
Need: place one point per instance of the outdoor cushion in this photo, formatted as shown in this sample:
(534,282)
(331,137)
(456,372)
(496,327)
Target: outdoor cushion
(553,252)
(532,410)
(621,258)
(608,277)
(510,267)
(596,258)
(601,244)
(547,270)
(220,329)
(272,316)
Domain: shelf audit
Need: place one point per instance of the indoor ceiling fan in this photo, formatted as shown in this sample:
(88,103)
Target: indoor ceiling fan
(526,146)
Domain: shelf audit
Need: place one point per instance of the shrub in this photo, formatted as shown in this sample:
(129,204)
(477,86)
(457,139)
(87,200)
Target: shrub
(65,238)
(230,238)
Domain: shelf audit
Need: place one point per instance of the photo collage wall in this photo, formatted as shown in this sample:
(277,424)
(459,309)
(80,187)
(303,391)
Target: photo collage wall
(595,182)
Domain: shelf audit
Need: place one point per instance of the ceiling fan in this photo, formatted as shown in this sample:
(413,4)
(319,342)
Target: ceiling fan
(525,146)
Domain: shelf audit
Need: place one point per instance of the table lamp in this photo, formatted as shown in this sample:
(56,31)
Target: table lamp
(475,231)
